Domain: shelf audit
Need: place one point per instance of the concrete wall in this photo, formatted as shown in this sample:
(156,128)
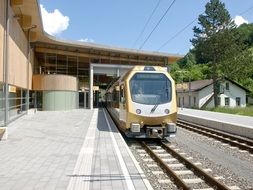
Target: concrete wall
(237,129)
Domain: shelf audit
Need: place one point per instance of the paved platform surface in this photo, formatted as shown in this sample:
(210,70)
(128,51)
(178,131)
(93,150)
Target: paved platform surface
(67,150)
(241,125)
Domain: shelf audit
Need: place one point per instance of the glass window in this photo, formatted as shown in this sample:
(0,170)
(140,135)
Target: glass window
(2,106)
(150,88)
(238,101)
(17,101)
(227,101)
(122,98)
(227,86)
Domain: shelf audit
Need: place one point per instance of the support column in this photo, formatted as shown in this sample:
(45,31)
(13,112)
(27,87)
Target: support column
(27,70)
(28,59)
(91,88)
(5,62)
(117,72)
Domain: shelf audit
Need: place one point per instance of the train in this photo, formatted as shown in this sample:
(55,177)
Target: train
(142,103)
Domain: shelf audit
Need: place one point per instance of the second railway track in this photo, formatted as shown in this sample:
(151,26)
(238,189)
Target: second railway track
(241,143)
(175,168)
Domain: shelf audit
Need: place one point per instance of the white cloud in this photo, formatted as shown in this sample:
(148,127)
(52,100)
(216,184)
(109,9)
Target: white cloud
(54,22)
(86,40)
(240,20)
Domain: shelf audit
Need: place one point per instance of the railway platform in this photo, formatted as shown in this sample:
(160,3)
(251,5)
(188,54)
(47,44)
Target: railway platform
(235,124)
(79,149)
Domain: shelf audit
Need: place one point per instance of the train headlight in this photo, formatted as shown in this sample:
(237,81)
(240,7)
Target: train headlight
(138,111)
(171,127)
(135,127)
(167,111)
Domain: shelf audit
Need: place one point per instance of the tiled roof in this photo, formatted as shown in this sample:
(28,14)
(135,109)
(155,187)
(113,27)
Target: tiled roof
(195,85)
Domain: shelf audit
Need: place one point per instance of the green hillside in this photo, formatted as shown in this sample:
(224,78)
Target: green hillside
(237,66)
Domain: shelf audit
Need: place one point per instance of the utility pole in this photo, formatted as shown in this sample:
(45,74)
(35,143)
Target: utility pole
(190,93)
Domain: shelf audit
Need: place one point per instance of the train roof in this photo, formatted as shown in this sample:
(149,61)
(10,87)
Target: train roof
(149,68)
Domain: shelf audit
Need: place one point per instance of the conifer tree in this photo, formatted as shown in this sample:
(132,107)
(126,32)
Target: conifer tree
(213,38)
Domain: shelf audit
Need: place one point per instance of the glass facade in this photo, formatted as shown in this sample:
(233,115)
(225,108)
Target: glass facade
(16,101)
(2,106)
(51,63)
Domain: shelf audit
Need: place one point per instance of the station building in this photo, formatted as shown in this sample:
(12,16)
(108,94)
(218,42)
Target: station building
(41,72)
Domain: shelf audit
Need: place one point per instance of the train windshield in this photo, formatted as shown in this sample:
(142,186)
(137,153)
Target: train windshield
(150,88)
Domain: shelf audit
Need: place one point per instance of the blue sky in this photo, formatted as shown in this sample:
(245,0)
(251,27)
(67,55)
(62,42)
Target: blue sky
(119,22)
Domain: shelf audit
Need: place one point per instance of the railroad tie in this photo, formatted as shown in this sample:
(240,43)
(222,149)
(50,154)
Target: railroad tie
(191,181)
(183,172)
(164,181)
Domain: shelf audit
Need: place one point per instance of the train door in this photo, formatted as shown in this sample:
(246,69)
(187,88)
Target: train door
(122,104)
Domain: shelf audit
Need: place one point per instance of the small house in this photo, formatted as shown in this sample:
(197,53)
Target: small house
(199,94)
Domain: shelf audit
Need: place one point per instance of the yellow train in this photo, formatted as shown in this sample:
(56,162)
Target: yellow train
(143,103)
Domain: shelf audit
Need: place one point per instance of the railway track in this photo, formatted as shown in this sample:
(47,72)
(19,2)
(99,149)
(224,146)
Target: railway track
(175,168)
(241,143)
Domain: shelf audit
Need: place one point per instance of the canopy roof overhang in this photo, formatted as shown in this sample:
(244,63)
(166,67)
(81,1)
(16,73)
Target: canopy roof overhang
(29,16)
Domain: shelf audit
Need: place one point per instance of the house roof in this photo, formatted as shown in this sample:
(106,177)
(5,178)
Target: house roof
(194,85)
(200,84)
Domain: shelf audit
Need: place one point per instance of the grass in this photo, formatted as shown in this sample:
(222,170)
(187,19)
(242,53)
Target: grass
(247,111)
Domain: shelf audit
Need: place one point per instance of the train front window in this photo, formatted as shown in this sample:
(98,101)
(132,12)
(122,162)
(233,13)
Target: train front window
(150,88)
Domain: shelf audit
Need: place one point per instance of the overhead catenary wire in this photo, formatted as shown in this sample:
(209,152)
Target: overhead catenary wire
(167,10)
(146,24)
(244,12)
(178,33)
(183,29)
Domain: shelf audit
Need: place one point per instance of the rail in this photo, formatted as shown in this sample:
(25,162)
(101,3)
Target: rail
(211,181)
(242,143)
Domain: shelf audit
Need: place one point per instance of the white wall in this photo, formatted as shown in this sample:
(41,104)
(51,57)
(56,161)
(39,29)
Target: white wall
(233,92)
(204,96)
(185,96)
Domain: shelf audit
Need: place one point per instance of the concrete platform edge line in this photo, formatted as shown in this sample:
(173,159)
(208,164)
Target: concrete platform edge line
(146,182)
(127,177)
(81,178)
